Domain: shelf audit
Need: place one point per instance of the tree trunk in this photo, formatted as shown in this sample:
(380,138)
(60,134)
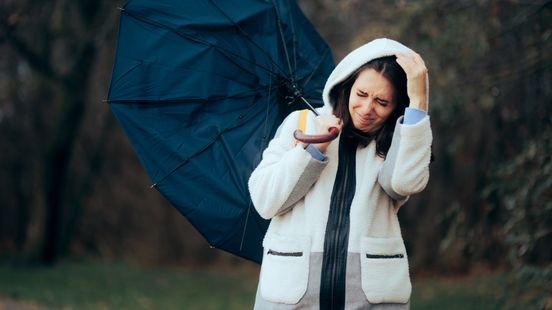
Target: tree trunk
(59,151)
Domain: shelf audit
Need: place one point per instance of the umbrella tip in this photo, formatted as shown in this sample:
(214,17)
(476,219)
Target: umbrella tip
(153,185)
(120,8)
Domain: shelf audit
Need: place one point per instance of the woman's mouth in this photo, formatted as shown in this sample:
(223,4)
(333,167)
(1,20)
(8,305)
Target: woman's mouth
(365,119)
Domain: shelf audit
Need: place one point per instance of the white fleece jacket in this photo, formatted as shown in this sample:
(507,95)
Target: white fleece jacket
(284,163)
(294,190)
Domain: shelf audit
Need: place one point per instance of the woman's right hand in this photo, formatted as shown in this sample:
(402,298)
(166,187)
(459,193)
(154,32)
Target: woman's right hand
(323,123)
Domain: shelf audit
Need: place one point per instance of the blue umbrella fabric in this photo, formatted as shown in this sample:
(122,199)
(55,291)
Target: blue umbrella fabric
(199,87)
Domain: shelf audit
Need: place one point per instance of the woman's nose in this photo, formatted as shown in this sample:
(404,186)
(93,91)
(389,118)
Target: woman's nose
(367,106)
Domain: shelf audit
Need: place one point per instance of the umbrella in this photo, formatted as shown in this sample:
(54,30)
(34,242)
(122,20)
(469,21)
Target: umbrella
(199,87)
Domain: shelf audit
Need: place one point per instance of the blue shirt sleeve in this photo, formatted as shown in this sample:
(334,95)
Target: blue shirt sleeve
(315,153)
(413,116)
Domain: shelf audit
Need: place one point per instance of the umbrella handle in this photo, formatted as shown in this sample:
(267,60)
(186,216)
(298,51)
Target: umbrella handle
(300,136)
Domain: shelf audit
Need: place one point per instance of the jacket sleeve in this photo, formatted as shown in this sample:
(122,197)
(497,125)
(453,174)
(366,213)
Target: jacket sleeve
(285,174)
(405,170)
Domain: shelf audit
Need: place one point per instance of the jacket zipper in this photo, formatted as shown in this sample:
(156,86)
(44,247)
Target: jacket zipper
(333,277)
(336,237)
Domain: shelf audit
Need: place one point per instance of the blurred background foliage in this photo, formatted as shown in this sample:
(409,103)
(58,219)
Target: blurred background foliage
(70,185)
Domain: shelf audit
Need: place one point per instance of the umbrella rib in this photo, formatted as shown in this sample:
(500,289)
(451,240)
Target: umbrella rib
(315,68)
(247,36)
(205,42)
(245,225)
(232,166)
(141,62)
(283,39)
(257,160)
(294,41)
(265,131)
(223,51)
(201,150)
(126,73)
(243,94)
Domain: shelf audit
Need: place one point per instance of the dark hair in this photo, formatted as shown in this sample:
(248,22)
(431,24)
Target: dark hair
(339,97)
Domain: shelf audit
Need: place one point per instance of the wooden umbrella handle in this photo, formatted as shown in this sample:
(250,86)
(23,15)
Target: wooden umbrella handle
(300,136)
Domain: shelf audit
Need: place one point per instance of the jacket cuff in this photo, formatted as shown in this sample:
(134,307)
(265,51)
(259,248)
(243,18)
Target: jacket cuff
(315,153)
(413,116)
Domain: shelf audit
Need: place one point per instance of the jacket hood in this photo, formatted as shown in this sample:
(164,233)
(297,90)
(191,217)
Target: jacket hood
(374,49)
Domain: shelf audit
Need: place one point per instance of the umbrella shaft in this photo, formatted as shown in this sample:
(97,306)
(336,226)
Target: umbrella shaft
(309,106)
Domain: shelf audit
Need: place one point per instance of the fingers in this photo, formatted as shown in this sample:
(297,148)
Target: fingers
(413,56)
(412,64)
(405,62)
(335,122)
(417,78)
(325,122)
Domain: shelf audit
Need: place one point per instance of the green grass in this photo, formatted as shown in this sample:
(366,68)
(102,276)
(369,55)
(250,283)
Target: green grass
(492,291)
(123,286)
(468,293)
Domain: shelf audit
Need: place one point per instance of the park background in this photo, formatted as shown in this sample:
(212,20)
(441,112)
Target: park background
(80,226)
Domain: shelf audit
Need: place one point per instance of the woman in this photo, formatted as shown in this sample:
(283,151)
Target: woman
(334,241)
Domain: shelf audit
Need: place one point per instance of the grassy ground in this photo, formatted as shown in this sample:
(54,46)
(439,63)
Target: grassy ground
(123,286)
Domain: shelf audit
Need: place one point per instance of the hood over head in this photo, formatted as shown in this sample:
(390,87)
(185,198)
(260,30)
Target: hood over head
(374,49)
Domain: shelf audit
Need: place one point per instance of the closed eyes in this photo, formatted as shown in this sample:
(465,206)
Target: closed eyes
(379,100)
(383,102)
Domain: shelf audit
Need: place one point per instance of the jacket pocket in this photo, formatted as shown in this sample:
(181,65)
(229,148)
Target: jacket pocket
(285,269)
(384,270)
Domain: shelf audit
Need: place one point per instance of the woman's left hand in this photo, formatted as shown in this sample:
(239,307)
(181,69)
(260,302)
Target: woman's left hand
(417,79)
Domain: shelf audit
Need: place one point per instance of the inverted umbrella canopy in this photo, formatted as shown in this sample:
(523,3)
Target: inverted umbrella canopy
(200,87)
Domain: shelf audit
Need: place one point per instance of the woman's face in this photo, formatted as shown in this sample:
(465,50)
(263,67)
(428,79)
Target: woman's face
(371,101)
